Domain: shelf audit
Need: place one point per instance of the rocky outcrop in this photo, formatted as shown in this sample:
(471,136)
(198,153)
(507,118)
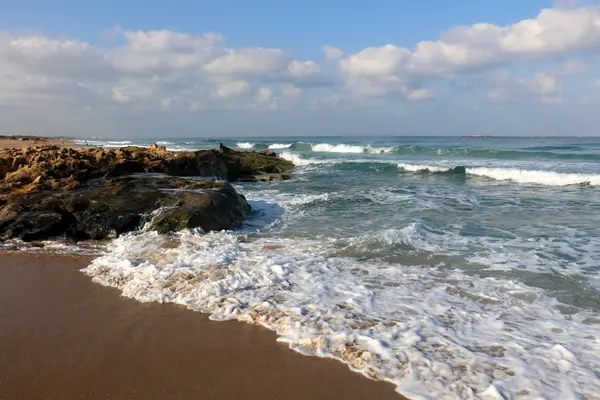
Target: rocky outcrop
(121,205)
(57,168)
(97,194)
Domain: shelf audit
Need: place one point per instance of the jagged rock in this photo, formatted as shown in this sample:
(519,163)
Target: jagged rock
(158,149)
(94,193)
(52,163)
(34,225)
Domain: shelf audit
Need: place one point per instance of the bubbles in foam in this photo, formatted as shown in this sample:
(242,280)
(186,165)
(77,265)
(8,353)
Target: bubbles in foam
(432,332)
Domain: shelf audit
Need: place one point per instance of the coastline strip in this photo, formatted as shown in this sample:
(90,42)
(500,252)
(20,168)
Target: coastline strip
(19,144)
(64,337)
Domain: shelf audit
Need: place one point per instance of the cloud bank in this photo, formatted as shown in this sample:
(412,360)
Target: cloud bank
(175,73)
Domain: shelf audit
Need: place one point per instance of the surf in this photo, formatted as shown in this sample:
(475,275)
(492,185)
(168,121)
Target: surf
(523,176)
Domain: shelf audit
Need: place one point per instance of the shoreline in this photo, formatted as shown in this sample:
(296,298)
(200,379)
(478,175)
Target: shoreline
(19,144)
(65,337)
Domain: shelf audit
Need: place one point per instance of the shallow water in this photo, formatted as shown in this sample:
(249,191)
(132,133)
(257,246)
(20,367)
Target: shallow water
(482,281)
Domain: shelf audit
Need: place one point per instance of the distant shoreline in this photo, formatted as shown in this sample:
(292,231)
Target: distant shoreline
(14,143)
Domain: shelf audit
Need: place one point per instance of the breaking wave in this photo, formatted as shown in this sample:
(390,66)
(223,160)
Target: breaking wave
(347,148)
(540,177)
(280,146)
(541,153)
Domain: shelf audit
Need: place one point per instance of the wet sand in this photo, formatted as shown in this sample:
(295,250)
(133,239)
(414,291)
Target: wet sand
(64,337)
(17,144)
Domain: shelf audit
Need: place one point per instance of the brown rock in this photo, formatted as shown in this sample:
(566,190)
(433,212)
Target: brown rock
(92,193)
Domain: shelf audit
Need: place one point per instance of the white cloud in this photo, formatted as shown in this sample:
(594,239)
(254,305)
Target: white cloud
(167,102)
(482,46)
(147,51)
(264,95)
(332,53)
(384,60)
(302,68)
(180,72)
(249,62)
(227,90)
(497,95)
(291,90)
(573,67)
(149,70)
(541,83)
(119,95)
(596,84)
(419,94)
(264,99)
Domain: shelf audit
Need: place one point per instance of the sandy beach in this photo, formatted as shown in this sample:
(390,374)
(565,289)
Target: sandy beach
(17,144)
(64,337)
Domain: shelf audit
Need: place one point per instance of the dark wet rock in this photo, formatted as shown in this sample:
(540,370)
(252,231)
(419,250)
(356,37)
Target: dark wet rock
(214,210)
(35,225)
(122,205)
(97,194)
(268,153)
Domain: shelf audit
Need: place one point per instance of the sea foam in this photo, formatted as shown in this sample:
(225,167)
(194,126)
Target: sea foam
(432,332)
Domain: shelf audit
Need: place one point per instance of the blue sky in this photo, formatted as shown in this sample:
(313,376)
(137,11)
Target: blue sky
(300,26)
(186,68)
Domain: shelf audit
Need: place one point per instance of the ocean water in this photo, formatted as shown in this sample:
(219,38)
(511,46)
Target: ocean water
(455,268)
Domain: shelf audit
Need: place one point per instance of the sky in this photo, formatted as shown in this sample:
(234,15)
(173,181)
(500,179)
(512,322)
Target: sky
(299,68)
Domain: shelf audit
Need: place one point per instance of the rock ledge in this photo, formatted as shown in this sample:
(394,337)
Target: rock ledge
(98,194)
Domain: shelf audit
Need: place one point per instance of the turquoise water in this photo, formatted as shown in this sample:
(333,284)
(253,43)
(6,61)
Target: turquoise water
(452,267)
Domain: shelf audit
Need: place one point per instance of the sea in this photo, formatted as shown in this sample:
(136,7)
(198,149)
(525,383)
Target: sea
(452,267)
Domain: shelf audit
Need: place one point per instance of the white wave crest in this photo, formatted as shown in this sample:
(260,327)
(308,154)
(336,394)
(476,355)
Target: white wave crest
(421,168)
(338,148)
(245,145)
(109,144)
(347,148)
(295,158)
(549,178)
(280,146)
(299,161)
(540,177)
